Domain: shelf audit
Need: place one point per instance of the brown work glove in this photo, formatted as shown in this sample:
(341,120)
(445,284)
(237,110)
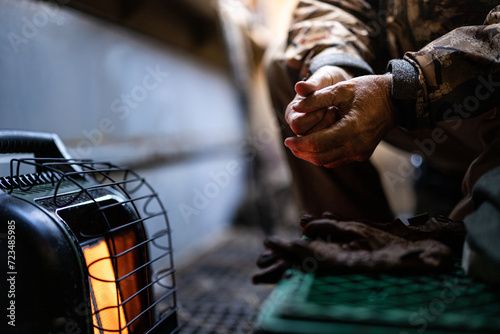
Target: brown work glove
(273,266)
(342,247)
(421,227)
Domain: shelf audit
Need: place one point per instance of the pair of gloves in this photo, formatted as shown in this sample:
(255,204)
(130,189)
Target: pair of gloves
(334,245)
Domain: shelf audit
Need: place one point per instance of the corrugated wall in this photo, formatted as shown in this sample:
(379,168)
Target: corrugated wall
(117,95)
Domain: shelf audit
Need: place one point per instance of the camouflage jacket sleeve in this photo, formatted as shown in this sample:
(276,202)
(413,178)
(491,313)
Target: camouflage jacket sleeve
(457,76)
(330,32)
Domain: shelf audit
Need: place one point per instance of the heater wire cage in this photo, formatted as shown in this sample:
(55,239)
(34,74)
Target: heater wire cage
(119,222)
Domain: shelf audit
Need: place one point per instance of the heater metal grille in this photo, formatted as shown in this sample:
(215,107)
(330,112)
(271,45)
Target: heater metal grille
(123,234)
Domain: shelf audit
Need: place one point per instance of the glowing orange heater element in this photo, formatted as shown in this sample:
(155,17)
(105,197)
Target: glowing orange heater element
(105,297)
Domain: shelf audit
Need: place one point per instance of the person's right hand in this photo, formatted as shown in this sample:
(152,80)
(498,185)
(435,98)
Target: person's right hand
(305,123)
(366,112)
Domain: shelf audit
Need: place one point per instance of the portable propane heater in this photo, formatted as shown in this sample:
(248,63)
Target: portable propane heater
(86,246)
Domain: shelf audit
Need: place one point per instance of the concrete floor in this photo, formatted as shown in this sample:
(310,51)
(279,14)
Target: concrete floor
(216,295)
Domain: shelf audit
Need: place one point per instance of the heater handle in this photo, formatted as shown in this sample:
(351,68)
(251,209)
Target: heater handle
(41,144)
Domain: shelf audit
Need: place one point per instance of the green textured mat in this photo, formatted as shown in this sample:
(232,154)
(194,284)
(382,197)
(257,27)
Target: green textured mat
(440,303)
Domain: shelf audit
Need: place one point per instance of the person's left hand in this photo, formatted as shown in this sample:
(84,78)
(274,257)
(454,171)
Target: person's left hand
(366,111)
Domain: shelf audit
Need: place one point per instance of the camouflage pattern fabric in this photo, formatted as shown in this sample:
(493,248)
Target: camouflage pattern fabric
(451,43)
(453,48)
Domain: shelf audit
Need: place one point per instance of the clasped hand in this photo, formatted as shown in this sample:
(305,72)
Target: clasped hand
(337,119)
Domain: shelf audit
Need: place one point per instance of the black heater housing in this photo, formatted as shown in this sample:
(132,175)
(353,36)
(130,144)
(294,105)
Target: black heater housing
(85,245)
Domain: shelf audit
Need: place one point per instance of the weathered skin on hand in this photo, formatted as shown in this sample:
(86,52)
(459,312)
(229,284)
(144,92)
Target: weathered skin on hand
(366,114)
(305,123)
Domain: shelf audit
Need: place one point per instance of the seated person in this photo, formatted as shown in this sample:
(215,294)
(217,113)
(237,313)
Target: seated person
(441,100)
